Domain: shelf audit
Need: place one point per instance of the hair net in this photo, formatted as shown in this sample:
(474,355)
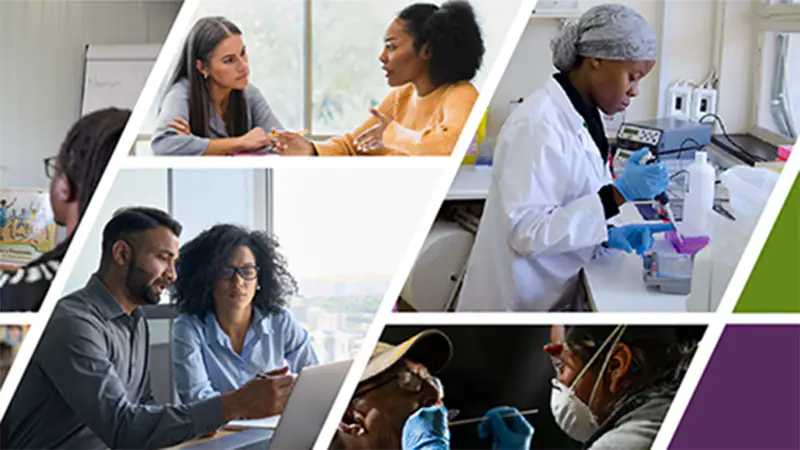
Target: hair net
(612,32)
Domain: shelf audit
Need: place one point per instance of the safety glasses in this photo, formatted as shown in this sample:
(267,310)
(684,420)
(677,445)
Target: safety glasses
(557,348)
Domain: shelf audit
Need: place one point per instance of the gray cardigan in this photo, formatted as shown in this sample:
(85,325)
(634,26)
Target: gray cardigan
(635,430)
(167,141)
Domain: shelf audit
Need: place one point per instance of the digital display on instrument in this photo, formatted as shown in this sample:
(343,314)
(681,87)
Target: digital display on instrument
(630,131)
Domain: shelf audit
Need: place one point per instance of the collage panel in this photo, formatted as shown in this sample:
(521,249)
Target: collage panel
(11,338)
(356,78)
(191,308)
(608,162)
(597,189)
(709,422)
(565,386)
(67,107)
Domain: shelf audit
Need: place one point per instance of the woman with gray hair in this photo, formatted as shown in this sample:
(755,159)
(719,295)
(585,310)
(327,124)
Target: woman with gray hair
(552,192)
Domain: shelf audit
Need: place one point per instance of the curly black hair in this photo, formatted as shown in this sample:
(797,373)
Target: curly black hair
(453,36)
(203,258)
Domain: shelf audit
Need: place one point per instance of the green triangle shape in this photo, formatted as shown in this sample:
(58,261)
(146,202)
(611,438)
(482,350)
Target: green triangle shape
(774,284)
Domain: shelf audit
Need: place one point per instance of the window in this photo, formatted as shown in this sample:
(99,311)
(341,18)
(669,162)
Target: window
(316,61)
(273,32)
(344,233)
(196,200)
(346,71)
(777,114)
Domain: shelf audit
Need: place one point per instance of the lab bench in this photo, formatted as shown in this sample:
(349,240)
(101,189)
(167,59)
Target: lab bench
(615,281)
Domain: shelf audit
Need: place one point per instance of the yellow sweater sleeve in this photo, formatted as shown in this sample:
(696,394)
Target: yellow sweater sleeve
(438,138)
(343,145)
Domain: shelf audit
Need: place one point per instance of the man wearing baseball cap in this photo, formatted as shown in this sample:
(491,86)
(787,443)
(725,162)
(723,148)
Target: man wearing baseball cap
(398,401)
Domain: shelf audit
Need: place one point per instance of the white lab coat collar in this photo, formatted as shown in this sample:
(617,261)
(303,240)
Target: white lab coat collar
(575,121)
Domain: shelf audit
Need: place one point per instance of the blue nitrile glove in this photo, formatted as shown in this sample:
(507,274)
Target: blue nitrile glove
(635,237)
(427,429)
(640,181)
(507,433)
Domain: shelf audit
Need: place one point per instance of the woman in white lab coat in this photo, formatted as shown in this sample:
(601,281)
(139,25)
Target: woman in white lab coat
(552,192)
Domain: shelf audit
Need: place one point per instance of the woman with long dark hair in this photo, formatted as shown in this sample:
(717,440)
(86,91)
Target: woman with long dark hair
(211,108)
(431,53)
(232,291)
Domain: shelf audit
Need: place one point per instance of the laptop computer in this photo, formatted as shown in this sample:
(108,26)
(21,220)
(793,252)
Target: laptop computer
(307,408)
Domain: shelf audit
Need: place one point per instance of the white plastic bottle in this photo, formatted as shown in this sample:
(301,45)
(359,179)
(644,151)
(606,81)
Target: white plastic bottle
(699,202)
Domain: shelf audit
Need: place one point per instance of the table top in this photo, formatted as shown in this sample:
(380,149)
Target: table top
(471,183)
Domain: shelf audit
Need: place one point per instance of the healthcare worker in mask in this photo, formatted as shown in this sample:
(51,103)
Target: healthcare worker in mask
(614,385)
(427,429)
(552,192)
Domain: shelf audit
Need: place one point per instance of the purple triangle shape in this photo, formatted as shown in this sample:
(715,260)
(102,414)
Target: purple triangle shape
(749,395)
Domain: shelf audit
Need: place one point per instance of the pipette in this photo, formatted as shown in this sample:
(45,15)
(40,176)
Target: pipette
(663,199)
(478,419)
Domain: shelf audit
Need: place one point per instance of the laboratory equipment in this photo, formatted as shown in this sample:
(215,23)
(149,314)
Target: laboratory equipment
(663,199)
(699,201)
(687,245)
(667,137)
(749,189)
(784,151)
(671,273)
(527,412)
(436,273)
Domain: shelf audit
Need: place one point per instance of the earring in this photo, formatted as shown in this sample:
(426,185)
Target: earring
(205,76)
(258,288)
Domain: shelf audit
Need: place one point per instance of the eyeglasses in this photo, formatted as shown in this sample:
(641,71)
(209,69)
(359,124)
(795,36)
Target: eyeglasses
(407,381)
(50,166)
(248,272)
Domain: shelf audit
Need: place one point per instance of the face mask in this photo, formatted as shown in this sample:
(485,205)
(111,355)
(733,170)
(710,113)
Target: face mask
(571,414)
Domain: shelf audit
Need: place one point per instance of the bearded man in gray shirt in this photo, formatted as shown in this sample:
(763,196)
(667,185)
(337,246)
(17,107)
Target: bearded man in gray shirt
(88,383)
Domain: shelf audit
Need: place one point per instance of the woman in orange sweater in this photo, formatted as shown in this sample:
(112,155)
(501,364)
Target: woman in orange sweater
(430,55)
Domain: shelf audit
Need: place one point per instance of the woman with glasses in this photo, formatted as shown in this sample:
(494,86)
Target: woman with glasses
(232,291)
(211,108)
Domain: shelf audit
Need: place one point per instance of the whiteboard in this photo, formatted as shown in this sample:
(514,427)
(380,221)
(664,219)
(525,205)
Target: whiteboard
(114,75)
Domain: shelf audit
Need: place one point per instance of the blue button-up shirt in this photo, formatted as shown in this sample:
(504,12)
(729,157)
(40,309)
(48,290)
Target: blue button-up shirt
(205,363)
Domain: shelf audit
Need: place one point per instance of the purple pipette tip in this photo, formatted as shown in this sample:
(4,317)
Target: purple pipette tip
(689,245)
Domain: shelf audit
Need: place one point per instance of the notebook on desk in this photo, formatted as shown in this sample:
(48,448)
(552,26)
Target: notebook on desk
(269,423)
(252,439)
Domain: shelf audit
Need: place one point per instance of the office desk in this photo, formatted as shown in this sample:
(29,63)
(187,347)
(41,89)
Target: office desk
(254,438)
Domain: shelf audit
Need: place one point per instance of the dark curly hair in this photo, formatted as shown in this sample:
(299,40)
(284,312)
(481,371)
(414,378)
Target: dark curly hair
(453,37)
(203,258)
